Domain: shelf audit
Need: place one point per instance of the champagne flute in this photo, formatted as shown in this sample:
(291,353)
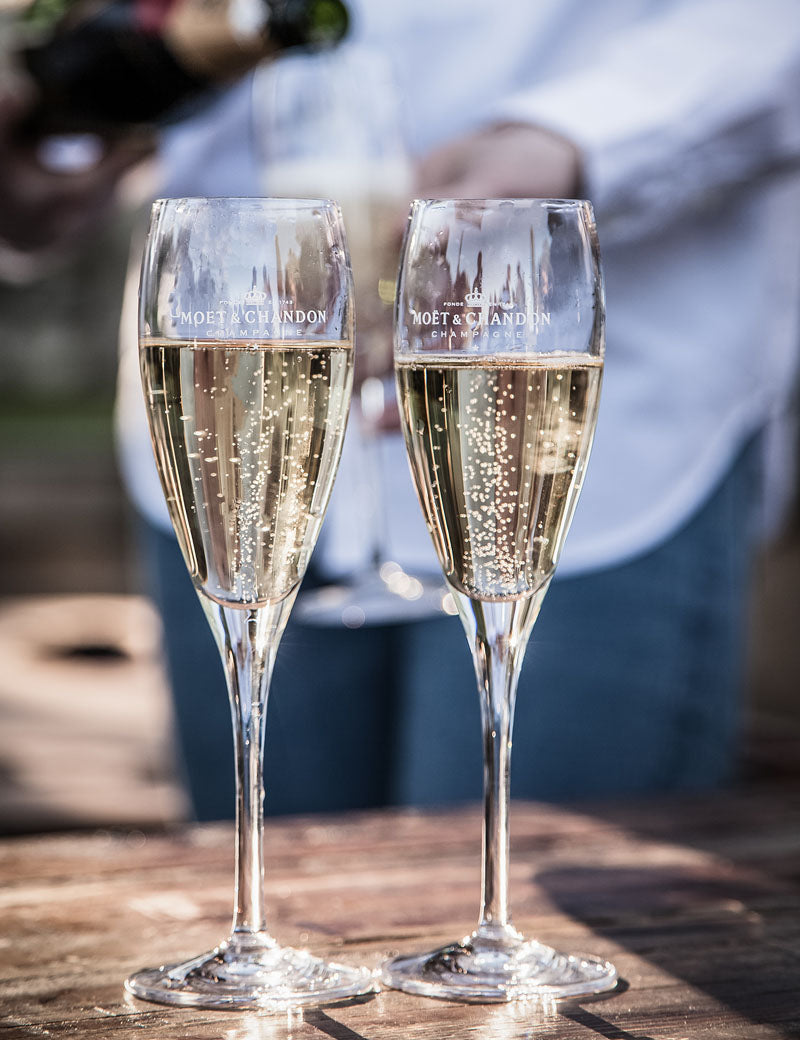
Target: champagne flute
(246,336)
(329,122)
(499,346)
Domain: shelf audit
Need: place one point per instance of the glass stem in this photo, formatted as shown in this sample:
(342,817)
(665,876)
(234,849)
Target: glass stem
(498,635)
(248,642)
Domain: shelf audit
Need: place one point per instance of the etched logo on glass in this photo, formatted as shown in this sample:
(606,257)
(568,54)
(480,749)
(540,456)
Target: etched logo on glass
(477,314)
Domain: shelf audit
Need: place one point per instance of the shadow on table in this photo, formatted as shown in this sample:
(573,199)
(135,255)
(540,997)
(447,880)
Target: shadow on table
(523,1021)
(725,921)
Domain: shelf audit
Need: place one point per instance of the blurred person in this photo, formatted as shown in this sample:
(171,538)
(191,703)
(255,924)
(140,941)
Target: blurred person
(681,122)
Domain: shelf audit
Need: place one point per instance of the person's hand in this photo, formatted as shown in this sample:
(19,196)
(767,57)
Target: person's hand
(508,160)
(44,212)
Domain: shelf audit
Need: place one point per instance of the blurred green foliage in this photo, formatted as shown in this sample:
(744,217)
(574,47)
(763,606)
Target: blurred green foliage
(34,427)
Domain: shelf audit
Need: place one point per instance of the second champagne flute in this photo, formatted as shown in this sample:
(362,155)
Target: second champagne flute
(246,346)
(499,355)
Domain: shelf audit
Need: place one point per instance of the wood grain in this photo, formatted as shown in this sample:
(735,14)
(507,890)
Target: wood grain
(697,901)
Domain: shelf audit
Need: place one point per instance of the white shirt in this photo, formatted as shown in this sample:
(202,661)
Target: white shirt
(688,118)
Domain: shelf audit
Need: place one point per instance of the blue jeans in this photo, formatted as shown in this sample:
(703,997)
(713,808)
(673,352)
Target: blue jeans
(632,683)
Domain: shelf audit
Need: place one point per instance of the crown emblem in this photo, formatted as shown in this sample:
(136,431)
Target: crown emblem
(474,298)
(254,296)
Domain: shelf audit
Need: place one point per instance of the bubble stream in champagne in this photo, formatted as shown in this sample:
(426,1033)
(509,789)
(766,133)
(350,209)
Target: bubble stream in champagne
(247,438)
(498,445)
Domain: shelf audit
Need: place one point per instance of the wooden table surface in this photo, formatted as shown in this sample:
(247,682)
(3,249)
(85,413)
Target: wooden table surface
(696,901)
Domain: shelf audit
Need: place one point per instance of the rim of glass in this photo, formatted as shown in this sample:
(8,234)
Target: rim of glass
(496,203)
(282,201)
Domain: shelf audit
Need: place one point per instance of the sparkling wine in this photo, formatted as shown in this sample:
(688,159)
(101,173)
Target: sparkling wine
(247,438)
(498,446)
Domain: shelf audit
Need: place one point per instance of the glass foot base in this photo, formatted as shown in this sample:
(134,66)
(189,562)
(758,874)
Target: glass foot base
(247,975)
(482,970)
